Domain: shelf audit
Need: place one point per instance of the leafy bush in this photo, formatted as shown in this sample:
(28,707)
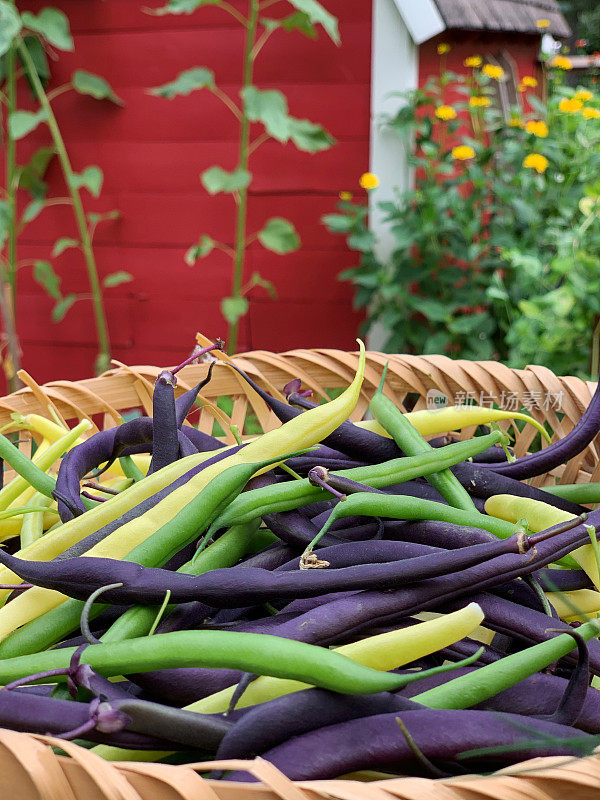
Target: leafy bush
(496,247)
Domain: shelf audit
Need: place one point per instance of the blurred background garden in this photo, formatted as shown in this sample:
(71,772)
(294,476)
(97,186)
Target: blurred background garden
(291,173)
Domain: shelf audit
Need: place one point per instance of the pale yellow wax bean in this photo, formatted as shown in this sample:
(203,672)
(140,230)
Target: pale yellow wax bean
(19,484)
(298,433)
(580,602)
(453,418)
(480,634)
(56,542)
(541,516)
(383,652)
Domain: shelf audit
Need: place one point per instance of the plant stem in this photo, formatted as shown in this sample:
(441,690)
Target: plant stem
(103,358)
(8,287)
(242,205)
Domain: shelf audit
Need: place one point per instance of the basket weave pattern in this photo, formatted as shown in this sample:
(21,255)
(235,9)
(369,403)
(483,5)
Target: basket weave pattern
(30,769)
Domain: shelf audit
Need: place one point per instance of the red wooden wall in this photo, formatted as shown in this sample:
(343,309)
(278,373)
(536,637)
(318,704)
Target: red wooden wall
(523,50)
(152,152)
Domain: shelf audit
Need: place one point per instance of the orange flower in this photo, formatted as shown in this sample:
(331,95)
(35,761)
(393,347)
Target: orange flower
(537,127)
(368,180)
(570,106)
(561,62)
(463,152)
(492,71)
(443,49)
(445,112)
(472,61)
(479,101)
(537,162)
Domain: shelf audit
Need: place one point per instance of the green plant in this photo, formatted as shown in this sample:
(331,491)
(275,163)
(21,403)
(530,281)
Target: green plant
(269,109)
(496,246)
(23,41)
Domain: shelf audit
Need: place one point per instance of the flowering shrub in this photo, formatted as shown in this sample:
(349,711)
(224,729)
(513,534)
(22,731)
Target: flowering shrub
(496,247)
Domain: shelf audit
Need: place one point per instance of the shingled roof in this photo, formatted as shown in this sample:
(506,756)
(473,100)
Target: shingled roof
(518,16)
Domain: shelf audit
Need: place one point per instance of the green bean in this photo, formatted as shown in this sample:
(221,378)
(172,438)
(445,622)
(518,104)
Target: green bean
(260,654)
(582,493)
(130,468)
(225,552)
(54,625)
(410,441)
(487,681)
(293,494)
(366,504)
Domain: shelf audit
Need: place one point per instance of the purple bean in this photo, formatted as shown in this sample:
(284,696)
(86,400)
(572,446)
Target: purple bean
(237,586)
(271,723)
(374,742)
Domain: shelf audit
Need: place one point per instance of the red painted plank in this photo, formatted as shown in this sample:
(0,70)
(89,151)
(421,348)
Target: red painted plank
(176,220)
(116,15)
(128,59)
(202,117)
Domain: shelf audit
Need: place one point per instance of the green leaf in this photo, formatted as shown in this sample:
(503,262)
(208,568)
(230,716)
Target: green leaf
(10,25)
(319,16)
(94,86)
(90,178)
(337,223)
(279,235)
(294,22)
(269,107)
(44,274)
(116,279)
(186,82)
(216,179)
(61,308)
(33,209)
(309,136)
(181,7)
(200,250)
(258,280)
(37,53)
(60,245)
(30,175)
(233,308)
(5,222)
(52,24)
(20,123)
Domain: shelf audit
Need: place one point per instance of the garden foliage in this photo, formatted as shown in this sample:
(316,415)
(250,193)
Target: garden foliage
(497,245)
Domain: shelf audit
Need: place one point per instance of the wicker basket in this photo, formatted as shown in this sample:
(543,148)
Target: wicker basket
(30,769)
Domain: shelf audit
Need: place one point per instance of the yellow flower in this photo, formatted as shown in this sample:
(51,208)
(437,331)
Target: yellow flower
(570,106)
(479,101)
(472,61)
(537,127)
(537,162)
(542,23)
(590,113)
(583,94)
(345,195)
(368,180)
(443,49)
(530,81)
(492,71)
(521,87)
(463,152)
(515,122)
(561,62)
(445,112)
